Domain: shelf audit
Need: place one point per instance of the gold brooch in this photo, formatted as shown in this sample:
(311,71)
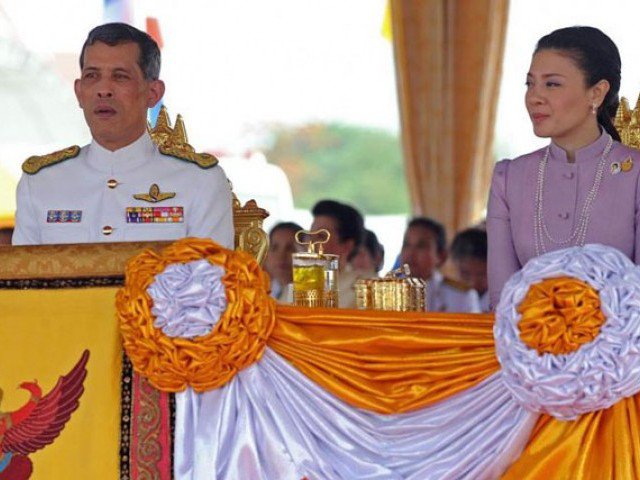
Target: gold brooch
(154,195)
(626,165)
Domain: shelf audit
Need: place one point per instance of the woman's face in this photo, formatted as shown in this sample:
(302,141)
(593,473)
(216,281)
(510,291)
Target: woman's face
(558,100)
(278,262)
(362,261)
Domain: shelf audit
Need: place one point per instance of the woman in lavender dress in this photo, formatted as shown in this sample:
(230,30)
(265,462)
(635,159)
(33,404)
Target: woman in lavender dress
(581,188)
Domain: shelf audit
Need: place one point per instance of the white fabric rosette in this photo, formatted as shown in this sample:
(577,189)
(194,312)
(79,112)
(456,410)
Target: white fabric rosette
(599,373)
(188,298)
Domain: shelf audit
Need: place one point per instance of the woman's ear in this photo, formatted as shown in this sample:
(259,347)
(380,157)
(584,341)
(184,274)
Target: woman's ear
(599,91)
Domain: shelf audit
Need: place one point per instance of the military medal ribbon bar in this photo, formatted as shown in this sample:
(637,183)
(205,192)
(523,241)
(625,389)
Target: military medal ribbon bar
(155,214)
(64,216)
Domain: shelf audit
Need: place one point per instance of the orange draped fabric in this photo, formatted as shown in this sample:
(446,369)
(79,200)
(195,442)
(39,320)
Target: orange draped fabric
(387,362)
(448,56)
(237,341)
(598,446)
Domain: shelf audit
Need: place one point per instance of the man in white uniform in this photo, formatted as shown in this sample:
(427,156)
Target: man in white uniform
(121,187)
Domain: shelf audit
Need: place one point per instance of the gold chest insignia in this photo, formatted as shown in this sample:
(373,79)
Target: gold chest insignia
(154,195)
(34,164)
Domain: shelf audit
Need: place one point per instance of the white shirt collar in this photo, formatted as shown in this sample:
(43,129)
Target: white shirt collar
(436,279)
(122,160)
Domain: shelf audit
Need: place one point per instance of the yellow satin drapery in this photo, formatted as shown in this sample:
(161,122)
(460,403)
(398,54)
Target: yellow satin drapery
(600,445)
(386,362)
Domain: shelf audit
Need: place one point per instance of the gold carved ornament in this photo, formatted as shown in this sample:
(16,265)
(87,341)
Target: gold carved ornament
(627,122)
(248,219)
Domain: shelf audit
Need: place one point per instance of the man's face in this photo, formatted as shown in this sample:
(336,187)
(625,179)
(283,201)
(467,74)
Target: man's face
(114,94)
(473,272)
(335,245)
(282,245)
(420,251)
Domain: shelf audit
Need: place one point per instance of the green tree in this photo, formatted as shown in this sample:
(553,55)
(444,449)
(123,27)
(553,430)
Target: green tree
(358,165)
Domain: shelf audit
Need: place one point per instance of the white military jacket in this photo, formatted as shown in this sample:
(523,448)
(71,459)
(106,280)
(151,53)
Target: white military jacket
(133,194)
(444,295)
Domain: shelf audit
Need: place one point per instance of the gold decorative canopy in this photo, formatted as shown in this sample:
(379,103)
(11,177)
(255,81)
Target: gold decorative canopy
(247,219)
(627,122)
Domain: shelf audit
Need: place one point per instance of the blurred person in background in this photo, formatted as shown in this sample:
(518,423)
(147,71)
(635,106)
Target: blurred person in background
(278,264)
(369,256)
(469,257)
(424,250)
(346,227)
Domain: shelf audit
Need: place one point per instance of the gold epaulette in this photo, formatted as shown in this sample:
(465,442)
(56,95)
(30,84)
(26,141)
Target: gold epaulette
(456,284)
(203,160)
(34,164)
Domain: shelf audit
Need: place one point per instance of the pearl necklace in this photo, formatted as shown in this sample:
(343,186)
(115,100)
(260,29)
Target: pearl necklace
(579,233)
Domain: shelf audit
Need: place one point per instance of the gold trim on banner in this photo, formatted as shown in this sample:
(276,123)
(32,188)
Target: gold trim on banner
(70,261)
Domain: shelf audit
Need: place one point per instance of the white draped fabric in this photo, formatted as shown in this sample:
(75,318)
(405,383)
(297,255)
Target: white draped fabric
(272,422)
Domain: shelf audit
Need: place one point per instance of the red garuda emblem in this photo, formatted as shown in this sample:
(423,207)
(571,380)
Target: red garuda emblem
(38,422)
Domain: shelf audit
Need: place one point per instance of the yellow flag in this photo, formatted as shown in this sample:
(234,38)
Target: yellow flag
(44,333)
(387,31)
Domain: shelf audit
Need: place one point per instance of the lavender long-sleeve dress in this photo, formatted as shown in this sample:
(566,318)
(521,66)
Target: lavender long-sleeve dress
(615,212)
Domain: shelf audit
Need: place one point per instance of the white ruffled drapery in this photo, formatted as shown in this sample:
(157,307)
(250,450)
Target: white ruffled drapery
(272,422)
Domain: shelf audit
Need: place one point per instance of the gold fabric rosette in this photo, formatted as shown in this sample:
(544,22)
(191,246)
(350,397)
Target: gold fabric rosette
(559,315)
(209,361)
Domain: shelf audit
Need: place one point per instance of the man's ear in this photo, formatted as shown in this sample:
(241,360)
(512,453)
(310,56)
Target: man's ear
(76,89)
(156,92)
(350,245)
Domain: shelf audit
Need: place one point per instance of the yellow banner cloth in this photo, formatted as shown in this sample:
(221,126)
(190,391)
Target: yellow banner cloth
(387,362)
(44,333)
(600,445)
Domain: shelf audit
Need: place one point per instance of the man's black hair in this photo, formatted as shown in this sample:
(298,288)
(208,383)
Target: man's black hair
(471,242)
(349,221)
(436,228)
(117,33)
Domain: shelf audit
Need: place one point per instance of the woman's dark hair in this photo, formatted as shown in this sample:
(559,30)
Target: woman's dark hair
(598,57)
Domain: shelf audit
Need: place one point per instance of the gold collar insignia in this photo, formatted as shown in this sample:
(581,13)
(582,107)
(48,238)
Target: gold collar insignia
(154,195)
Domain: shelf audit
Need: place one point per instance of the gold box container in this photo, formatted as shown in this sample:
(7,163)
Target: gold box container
(396,292)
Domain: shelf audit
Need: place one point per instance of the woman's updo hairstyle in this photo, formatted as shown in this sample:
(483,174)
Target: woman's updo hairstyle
(598,57)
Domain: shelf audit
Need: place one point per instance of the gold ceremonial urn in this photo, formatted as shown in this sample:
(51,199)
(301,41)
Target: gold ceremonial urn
(315,274)
(397,291)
